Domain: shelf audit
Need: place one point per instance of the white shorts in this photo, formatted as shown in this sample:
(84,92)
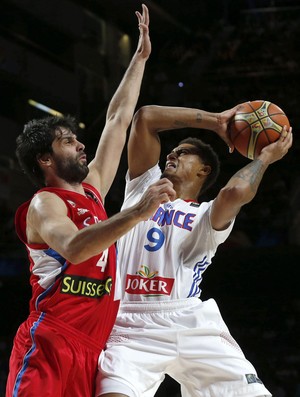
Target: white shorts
(186,339)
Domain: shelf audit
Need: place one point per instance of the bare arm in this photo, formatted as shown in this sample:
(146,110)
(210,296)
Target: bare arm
(47,222)
(243,186)
(104,166)
(144,143)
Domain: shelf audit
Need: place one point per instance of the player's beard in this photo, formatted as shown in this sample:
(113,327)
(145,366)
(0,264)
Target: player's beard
(71,170)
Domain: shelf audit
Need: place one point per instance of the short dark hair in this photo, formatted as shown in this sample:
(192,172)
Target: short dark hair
(36,140)
(209,157)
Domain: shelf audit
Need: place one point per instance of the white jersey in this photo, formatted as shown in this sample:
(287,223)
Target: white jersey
(165,257)
(162,326)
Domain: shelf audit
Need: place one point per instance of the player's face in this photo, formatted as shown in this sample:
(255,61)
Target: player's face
(183,162)
(69,157)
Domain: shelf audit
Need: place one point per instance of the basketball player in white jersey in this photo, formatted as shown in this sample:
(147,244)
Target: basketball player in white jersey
(162,326)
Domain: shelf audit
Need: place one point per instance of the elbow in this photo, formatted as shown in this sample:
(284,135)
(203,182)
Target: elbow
(118,121)
(80,251)
(236,196)
(75,253)
(74,257)
(117,126)
(141,114)
(144,116)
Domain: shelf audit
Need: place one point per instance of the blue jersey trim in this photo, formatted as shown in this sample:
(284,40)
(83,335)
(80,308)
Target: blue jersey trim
(27,355)
(51,252)
(197,278)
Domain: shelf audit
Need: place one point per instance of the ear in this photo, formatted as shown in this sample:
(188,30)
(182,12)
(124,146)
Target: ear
(44,160)
(205,170)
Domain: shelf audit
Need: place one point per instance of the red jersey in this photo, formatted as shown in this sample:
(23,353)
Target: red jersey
(79,297)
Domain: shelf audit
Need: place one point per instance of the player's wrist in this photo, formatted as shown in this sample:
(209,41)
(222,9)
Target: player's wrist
(137,212)
(265,157)
(212,121)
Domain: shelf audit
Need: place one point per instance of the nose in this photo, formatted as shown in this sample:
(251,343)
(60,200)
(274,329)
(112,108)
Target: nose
(172,155)
(80,146)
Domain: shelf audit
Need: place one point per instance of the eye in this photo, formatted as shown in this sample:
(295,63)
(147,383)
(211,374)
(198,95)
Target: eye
(69,140)
(182,152)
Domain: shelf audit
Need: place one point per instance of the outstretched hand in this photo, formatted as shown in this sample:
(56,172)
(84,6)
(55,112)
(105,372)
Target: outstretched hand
(144,43)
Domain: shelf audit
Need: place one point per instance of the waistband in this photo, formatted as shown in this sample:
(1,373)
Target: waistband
(158,306)
(53,322)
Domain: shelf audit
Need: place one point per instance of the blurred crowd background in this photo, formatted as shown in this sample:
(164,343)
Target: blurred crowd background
(69,56)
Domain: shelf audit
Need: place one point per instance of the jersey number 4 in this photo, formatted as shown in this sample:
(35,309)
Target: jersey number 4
(103,260)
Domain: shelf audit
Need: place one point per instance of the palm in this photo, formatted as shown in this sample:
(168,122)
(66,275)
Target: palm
(144,44)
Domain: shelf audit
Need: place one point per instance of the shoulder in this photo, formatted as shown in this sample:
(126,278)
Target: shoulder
(40,197)
(134,188)
(44,197)
(45,203)
(35,213)
(147,178)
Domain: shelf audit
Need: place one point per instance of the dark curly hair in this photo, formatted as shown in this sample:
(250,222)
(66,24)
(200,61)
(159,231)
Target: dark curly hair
(36,140)
(209,157)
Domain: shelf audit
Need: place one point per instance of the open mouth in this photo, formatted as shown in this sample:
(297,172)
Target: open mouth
(170,164)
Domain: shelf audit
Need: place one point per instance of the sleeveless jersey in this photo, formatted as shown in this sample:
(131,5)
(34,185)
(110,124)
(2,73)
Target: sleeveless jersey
(80,296)
(165,257)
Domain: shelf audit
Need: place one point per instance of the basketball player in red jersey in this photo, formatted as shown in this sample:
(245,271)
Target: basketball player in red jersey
(70,244)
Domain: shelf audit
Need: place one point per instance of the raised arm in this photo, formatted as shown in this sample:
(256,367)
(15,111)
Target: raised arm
(104,166)
(242,186)
(149,121)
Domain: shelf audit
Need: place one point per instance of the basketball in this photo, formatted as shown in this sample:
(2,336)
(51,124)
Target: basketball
(255,125)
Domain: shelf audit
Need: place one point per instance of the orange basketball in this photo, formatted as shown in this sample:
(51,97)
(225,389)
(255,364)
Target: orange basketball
(255,125)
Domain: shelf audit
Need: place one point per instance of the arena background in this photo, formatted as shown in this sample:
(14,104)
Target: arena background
(70,56)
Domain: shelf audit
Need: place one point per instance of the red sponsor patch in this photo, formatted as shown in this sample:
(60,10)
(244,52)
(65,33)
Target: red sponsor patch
(148,286)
